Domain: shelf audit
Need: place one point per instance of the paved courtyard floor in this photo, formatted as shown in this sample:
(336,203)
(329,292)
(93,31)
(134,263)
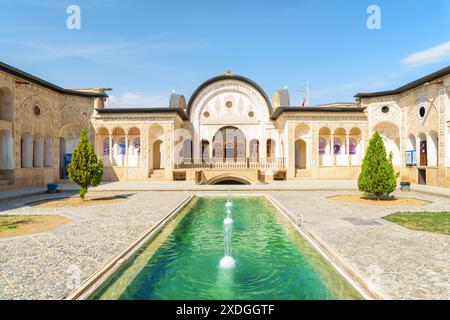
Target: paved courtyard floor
(397,262)
(46,265)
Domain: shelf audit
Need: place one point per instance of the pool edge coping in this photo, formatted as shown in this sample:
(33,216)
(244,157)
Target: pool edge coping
(343,267)
(94,281)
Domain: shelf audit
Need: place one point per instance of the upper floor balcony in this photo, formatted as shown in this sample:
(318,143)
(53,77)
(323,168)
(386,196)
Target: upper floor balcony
(233,164)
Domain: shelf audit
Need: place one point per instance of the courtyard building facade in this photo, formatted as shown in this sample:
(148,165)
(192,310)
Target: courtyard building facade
(229,131)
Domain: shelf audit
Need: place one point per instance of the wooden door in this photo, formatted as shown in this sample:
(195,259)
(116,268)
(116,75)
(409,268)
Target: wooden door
(423,154)
(422,179)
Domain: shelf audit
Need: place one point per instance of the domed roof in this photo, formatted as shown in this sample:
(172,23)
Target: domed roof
(177,101)
(281,99)
(228,76)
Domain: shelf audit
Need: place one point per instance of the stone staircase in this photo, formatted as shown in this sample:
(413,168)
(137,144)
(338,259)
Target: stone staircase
(302,174)
(158,174)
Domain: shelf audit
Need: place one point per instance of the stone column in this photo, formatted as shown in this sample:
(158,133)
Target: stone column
(361,147)
(110,150)
(332,155)
(418,150)
(126,150)
(313,162)
(168,147)
(196,151)
(145,151)
(247,147)
(291,151)
(347,149)
(211,147)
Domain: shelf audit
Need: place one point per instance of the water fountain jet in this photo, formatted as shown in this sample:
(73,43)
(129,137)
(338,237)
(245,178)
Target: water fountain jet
(229,203)
(228,262)
(228,219)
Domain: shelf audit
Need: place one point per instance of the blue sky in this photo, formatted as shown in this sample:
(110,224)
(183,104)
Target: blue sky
(144,49)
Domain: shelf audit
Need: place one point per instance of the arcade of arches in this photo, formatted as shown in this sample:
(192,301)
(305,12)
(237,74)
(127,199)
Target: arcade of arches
(229,132)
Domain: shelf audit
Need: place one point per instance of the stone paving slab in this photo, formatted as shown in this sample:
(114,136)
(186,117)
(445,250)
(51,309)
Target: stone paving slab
(191,186)
(398,262)
(291,185)
(15,193)
(45,265)
(444,192)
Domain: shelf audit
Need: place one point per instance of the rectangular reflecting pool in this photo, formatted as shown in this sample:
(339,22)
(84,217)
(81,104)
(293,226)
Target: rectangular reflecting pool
(272,260)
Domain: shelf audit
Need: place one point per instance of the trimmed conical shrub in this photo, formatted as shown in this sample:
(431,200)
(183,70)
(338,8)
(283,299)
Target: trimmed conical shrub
(84,169)
(378,177)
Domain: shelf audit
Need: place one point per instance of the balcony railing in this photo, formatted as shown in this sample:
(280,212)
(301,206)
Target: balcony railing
(233,164)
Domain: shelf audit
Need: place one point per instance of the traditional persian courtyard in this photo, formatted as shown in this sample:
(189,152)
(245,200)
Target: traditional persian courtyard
(394,262)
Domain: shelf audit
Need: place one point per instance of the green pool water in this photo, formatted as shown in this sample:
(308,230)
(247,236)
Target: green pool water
(273,260)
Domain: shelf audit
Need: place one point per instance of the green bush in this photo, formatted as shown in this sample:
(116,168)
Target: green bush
(378,177)
(84,169)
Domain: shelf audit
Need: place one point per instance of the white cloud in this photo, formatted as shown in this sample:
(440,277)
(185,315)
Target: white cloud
(116,51)
(131,99)
(434,54)
(346,90)
(88,50)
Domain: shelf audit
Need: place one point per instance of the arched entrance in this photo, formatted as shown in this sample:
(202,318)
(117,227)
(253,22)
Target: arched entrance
(6,109)
(433,149)
(300,154)
(270,152)
(69,136)
(6,150)
(38,151)
(187,151)
(27,150)
(423,145)
(391,138)
(254,150)
(158,151)
(229,145)
(226,179)
(205,151)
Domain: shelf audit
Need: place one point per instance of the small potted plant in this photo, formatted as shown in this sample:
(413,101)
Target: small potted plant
(52,188)
(405,185)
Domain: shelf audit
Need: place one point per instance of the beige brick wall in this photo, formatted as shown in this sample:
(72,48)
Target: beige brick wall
(57,111)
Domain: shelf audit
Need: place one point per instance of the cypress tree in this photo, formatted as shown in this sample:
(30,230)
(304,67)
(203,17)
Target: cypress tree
(84,169)
(378,177)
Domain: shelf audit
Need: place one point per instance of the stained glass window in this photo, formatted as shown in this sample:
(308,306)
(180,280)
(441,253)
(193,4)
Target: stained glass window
(337,146)
(270,149)
(137,146)
(106,146)
(352,146)
(254,150)
(122,146)
(229,144)
(322,146)
(205,149)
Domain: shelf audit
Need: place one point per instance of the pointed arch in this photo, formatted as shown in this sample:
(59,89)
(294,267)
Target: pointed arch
(6,104)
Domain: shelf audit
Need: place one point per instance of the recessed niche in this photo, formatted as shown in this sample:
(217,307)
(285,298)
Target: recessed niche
(36,110)
(422,112)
